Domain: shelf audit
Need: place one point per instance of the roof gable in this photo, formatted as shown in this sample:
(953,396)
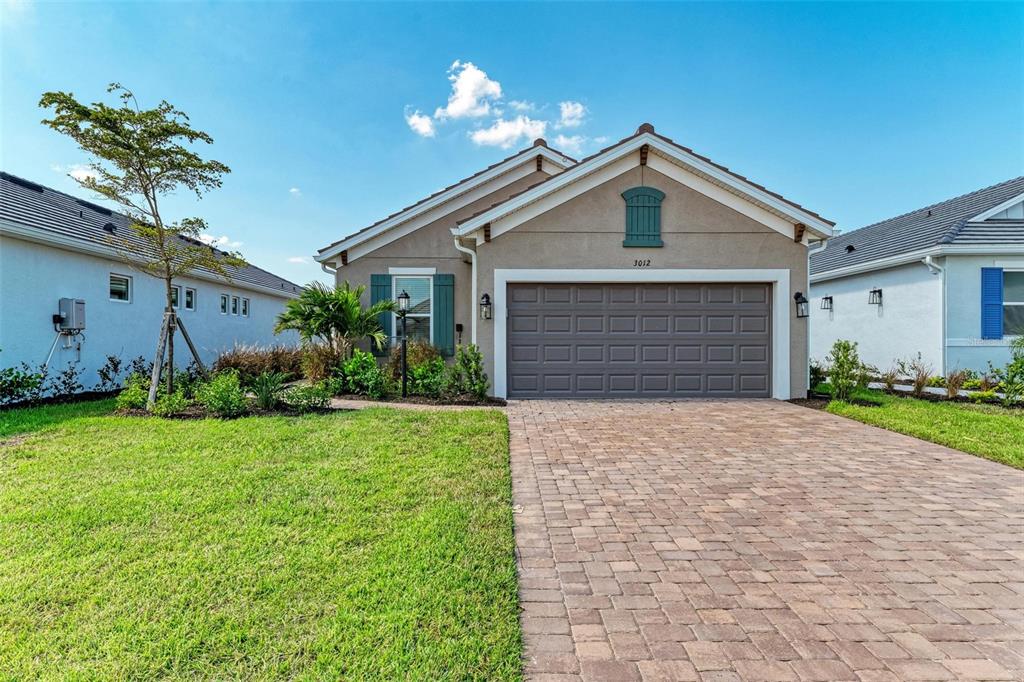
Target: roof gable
(464,191)
(663,155)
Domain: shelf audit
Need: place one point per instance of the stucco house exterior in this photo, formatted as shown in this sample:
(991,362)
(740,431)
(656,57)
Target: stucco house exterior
(944,283)
(643,271)
(56,246)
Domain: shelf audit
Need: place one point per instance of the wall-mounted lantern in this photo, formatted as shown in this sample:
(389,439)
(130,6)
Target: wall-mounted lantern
(826,303)
(802,307)
(875,297)
(485,307)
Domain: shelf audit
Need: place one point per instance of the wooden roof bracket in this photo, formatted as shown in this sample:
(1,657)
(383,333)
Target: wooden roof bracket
(487,232)
(344,257)
(643,154)
(799,234)
(540,162)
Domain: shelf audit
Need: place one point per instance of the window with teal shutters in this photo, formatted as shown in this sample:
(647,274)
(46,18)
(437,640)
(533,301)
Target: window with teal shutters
(991,303)
(643,216)
(444,314)
(380,290)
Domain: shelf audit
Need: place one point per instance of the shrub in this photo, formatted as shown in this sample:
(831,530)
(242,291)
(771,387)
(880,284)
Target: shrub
(251,361)
(109,373)
(467,374)
(417,353)
(18,384)
(955,380)
(140,366)
(381,386)
(889,377)
(936,382)
(223,395)
(1011,377)
(360,372)
(132,397)
(67,382)
(845,369)
(267,389)
(919,373)
(319,362)
(817,373)
(985,397)
(171,404)
(430,379)
(307,398)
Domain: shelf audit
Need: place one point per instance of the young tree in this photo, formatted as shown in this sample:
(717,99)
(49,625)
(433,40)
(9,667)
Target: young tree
(335,316)
(138,156)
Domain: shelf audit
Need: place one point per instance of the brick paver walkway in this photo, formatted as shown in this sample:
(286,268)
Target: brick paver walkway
(759,540)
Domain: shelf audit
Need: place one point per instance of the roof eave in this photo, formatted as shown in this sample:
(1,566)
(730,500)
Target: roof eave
(916,255)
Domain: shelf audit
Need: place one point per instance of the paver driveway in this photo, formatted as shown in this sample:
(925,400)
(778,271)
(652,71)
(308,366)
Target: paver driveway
(759,540)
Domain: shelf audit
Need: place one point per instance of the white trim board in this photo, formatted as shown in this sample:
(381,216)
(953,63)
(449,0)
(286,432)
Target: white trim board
(998,208)
(461,195)
(705,170)
(412,271)
(781,306)
(917,255)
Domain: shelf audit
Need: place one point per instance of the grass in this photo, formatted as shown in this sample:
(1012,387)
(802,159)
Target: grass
(364,545)
(988,431)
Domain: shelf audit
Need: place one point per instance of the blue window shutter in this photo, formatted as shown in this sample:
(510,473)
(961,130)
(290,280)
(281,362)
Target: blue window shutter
(444,314)
(991,303)
(643,216)
(380,290)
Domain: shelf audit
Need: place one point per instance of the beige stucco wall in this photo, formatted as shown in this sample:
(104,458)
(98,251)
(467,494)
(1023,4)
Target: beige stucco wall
(698,232)
(432,246)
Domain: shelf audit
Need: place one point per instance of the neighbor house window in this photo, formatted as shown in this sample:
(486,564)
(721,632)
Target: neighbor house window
(190,299)
(420,290)
(1013,302)
(245,307)
(643,216)
(175,296)
(223,304)
(234,305)
(120,288)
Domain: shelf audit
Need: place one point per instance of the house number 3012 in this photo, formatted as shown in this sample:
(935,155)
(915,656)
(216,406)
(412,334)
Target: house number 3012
(642,263)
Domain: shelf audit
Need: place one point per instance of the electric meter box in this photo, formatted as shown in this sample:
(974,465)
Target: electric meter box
(72,314)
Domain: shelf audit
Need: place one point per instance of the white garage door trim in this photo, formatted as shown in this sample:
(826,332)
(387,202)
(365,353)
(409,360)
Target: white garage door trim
(778,278)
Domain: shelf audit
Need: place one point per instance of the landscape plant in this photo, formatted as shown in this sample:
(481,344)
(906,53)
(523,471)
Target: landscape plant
(919,372)
(889,378)
(267,388)
(334,316)
(817,373)
(1011,377)
(955,380)
(133,396)
(308,398)
(467,374)
(251,361)
(18,384)
(109,373)
(171,404)
(67,382)
(844,369)
(222,395)
(320,361)
(360,372)
(137,157)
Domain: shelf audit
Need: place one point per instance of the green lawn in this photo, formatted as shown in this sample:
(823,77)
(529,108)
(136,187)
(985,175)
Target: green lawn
(985,430)
(362,545)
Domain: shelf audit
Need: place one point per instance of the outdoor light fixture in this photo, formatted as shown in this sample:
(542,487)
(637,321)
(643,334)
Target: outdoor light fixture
(403,309)
(485,307)
(802,307)
(826,303)
(875,297)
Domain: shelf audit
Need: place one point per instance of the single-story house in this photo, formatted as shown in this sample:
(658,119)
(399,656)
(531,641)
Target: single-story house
(944,283)
(55,246)
(645,270)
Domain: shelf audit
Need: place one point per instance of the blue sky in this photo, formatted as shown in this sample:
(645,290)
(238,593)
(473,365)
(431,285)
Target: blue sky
(857,111)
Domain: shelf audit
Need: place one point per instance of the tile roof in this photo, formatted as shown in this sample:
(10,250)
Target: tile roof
(938,224)
(65,216)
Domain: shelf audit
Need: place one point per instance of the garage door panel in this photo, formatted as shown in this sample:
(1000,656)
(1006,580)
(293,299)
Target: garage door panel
(640,340)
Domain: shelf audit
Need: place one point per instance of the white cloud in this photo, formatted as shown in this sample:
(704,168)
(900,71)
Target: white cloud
(420,123)
(570,144)
(472,92)
(295,192)
(79,171)
(522,105)
(300,260)
(504,133)
(571,114)
(220,242)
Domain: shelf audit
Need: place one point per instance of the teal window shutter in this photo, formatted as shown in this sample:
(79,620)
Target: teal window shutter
(643,217)
(991,303)
(380,290)
(444,314)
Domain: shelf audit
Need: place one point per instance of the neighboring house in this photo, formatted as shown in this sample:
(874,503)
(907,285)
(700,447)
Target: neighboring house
(944,283)
(55,246)
(644,270)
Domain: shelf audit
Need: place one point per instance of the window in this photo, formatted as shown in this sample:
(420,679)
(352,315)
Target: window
(643,216)
(120,288)
(245,307)
(234,305)
(190,299)
(1013,302)
(175,296)
(417,320)
(223,304)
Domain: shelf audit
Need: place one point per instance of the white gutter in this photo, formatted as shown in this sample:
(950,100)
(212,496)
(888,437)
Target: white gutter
(933,267)
(328,269)
(917,256)
(472,303)
(8,228)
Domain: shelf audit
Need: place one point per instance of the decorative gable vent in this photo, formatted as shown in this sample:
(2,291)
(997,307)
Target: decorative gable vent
(643,217)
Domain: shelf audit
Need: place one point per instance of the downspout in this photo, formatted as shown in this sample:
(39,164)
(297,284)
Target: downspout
(932,266)
(472,304)
(811,252)
(937,269)
(328,269)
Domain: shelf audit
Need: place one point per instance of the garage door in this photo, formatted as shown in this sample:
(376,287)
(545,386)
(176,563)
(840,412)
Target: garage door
(639,340)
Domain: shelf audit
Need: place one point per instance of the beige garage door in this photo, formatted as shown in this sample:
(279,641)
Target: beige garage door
(639,340)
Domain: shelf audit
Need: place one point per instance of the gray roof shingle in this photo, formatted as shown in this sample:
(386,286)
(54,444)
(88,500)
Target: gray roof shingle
(941,223)
(33,205)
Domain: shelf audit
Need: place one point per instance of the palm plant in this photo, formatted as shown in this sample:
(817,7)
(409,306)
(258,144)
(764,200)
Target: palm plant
(335,316)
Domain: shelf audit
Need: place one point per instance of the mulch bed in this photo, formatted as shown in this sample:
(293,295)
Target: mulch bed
(423,400)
